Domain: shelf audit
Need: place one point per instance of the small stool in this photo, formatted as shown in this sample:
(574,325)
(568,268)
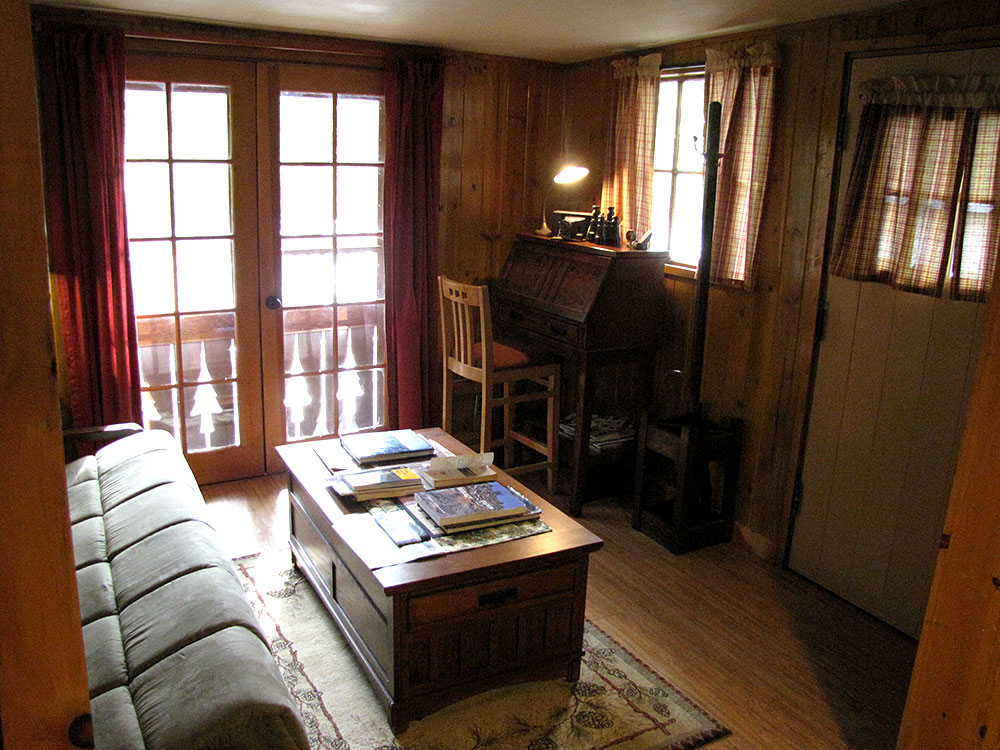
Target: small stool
(685,482)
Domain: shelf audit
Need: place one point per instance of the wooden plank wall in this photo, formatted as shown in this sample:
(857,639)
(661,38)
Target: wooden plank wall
(503,120)
(759,348)
(43,678)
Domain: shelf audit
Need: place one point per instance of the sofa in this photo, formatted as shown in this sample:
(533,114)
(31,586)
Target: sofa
(175,656)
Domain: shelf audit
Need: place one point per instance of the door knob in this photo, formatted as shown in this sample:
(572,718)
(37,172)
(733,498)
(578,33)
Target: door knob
(273,302)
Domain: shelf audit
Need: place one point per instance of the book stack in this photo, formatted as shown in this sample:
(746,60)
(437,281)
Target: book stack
(372,484)
(390,447)
(607,434)
(475,506)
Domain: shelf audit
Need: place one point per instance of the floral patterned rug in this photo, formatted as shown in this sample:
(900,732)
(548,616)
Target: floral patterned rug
(618,701)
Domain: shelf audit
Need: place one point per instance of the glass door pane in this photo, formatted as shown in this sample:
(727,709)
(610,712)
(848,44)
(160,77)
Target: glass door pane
(196,338)
(332,277)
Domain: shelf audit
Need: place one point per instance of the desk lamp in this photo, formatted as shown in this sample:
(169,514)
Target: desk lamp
(566,175)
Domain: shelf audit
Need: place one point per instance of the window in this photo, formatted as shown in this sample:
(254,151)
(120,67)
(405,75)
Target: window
(678,167)
(178,193)
(921,207)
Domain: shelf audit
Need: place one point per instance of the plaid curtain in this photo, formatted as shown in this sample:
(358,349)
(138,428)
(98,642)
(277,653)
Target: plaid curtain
(741,78)
(924,187)
(978,237)
(628,185)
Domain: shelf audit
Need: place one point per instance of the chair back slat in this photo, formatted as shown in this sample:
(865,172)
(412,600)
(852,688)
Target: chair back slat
(466,329)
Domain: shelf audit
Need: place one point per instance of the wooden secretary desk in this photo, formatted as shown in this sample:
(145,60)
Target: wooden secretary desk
(586,304)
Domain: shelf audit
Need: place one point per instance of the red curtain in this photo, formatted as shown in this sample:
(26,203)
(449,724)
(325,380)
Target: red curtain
(414,96)
(82,98)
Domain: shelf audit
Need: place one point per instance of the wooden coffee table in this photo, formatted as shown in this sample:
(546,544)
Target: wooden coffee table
(433,631)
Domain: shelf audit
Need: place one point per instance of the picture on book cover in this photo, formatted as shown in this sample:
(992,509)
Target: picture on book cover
(392,446)
(470,503)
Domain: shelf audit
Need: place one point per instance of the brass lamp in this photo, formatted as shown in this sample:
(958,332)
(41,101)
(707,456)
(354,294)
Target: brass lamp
(569,173)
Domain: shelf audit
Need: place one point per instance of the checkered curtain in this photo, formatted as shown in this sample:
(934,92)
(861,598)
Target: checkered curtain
(628,184)
(924,187)
(741,78)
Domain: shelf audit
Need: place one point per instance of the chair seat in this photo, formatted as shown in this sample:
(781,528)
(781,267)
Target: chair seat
(504,357)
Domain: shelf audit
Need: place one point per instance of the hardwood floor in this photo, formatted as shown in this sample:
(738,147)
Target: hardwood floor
(775,658)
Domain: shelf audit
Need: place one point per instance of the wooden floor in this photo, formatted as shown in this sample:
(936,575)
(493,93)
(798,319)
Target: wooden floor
(775,658)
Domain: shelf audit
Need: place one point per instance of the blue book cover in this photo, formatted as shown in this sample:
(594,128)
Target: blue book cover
(368,448)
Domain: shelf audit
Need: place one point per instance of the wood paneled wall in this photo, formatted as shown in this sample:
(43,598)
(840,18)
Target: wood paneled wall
(43,678)
(503,119)
(759,348)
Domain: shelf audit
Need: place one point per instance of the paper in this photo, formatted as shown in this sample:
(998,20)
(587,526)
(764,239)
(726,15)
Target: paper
(466,461)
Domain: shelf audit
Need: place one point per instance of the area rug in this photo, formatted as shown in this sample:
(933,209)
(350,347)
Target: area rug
(618,701)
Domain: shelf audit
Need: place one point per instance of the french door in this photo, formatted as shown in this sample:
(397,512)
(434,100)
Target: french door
(253,196)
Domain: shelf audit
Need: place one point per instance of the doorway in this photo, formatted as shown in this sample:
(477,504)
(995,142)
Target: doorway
(893,376)
(254,211)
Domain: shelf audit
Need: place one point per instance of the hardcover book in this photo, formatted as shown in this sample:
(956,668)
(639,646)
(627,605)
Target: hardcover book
(531,513)
(389,482)
(460,506)
(393,446)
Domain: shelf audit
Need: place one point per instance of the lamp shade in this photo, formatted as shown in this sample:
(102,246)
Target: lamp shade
(566,175)
(570,173)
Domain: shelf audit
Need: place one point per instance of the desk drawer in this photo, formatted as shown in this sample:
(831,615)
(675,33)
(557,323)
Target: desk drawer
(485,597)
(558,329)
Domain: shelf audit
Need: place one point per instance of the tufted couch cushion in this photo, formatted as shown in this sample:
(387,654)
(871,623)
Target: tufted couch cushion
(175,657)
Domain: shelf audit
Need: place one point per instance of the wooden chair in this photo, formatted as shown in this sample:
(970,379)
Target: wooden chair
(471,353)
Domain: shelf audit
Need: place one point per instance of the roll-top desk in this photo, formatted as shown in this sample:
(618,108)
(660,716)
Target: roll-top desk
(583,303)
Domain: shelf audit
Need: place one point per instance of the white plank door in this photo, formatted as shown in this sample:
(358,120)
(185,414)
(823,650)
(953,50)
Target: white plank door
(892,382)
(893,375)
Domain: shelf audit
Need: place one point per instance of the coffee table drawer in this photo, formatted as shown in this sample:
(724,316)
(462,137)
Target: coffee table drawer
(469,600)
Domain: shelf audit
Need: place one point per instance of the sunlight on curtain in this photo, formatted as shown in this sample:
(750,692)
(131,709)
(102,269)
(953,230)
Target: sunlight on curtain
(921,204)
(741,78)
(628,184)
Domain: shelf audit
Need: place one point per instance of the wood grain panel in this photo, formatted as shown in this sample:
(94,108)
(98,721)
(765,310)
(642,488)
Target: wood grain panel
(43,678)
(502,127)
(953,699)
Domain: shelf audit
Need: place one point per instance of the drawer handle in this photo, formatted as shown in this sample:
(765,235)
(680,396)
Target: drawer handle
(496,598)
(558,330)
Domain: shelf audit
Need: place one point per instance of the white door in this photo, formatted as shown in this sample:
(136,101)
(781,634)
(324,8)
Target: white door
(893,378)
(892,382)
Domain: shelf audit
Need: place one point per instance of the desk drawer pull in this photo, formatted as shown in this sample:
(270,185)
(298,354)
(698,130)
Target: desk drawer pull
(558,330)
(496,598)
